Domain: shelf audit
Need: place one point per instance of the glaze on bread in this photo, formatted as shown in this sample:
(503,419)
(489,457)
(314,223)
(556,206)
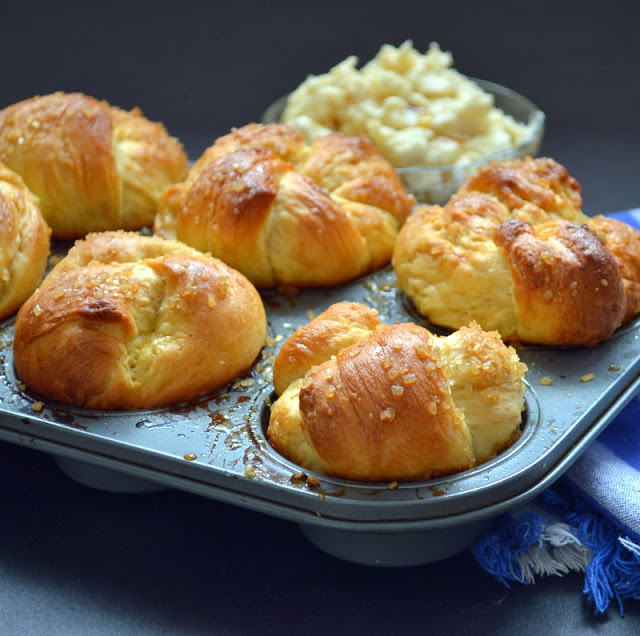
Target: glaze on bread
(513,251)
(24,242)
(624,243)
(133,322)
(398,403)
(93,166)
(336,328)
(287,213)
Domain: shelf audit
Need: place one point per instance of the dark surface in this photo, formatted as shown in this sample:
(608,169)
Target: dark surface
(80,561)
(203,67)
(74,560)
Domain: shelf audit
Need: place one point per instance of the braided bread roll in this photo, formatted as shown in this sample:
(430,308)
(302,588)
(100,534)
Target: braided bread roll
(513,251)
(133,322)
(397,403)
(93,166)
(24,242)
(286,213)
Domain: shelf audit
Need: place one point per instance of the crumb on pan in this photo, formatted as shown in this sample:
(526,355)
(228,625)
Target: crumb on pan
(313,481)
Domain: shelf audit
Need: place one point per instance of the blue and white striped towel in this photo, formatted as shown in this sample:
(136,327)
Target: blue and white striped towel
(589,521)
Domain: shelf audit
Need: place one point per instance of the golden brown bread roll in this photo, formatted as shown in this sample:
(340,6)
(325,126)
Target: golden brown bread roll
(133,322)
(286,213)
(513,251)
(398,403)
(93,166)
(24,242)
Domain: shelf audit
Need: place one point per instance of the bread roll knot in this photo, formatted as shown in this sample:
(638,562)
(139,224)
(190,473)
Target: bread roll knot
(397,402)
(513,251)
(93,166)
(133,322)
(287,213)
(24,242)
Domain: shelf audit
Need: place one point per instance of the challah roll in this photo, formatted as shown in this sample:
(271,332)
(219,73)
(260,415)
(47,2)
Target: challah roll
(513,251)
(134,322)
(24,242)
(286,213)
(397,403)
(93,166)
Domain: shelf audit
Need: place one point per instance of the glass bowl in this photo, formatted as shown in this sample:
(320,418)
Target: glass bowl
(436,184)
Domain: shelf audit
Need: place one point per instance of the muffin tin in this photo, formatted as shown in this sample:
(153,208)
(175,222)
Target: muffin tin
(217,446)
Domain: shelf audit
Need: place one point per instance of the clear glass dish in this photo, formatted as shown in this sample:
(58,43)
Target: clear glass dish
(436,184)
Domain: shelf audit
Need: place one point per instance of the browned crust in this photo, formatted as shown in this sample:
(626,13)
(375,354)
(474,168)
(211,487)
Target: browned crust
(542,182)
(558,276)
(24,242)
(374,402)
(341,325)
(363,430)
(154,327)
(567,285)
(311,215)
(624,243)
(94,167)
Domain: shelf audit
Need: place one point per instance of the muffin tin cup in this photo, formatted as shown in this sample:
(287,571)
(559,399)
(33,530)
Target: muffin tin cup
(217,447)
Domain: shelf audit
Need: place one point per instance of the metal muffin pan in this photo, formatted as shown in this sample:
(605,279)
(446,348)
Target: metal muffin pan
(217,446)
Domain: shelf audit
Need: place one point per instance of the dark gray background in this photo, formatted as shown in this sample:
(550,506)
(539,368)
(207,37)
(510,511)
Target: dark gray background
(203,67)
(75,560)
